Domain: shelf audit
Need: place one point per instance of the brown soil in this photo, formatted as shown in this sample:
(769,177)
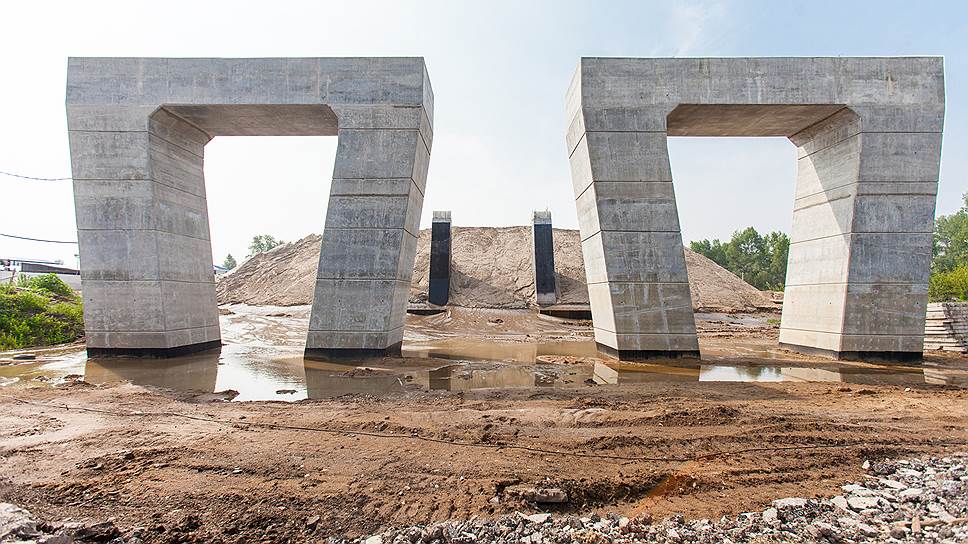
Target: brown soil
(491,268)
(224,477)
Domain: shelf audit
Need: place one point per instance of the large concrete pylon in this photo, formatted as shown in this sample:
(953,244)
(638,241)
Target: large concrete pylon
(138,128)
(868,132)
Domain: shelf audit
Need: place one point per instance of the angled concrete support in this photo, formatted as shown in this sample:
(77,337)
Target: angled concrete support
(869,137)
(138,128)
(543,250)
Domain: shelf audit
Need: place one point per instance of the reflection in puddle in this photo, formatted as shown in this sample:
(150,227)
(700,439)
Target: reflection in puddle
(520,352)
(260,372)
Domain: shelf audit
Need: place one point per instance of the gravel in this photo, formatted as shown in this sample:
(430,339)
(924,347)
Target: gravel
(898,501)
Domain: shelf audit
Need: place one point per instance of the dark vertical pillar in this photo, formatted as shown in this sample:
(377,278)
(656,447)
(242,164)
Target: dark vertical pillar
(545,291)
(439,259)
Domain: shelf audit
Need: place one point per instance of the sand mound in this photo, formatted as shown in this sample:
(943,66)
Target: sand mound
(491,268)
(283,276)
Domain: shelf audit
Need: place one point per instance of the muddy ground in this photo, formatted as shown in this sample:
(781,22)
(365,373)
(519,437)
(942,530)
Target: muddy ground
(189,467)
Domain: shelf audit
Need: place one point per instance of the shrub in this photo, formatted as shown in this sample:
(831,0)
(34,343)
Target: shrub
(951,285)
(39,311)
(48,283)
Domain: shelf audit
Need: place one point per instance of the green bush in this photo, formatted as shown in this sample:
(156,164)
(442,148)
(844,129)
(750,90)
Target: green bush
(39,311)
(48,283)
(951,285)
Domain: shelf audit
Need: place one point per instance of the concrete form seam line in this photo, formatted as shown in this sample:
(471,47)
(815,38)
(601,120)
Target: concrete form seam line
(415,436)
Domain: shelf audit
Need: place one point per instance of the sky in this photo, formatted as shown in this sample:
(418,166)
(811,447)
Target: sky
(499,71)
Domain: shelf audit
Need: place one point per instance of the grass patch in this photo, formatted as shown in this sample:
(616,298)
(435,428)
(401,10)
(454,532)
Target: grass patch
(39,311)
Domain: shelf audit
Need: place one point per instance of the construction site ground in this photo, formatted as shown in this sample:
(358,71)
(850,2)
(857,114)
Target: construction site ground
(451,430)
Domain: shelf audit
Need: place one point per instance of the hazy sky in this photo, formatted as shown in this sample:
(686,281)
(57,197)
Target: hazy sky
(499,72)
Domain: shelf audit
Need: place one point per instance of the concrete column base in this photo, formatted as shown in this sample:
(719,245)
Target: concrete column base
(154,353)
(866,356)
(328,354)
(644,354)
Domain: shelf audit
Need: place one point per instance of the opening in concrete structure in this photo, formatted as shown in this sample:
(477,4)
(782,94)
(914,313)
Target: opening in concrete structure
(138,128)
(276,185)
(267,185)
(725,184)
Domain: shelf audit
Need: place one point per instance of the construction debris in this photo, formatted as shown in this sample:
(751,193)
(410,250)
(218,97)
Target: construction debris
(946,327)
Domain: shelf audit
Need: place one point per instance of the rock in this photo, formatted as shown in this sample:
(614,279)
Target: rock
(862,503)
(893,484)
(866,465)
(538,518)
(16,523)
(312,521)
(375,539)
(910,494)
(97,532)
(840,502)
(542,494)
(867,530)
(770,515)
(791,502)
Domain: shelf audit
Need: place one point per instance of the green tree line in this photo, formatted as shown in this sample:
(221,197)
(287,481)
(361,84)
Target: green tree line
(949,264)
(761,260)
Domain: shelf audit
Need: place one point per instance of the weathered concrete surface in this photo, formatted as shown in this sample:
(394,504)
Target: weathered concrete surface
(138,128)
(868,132)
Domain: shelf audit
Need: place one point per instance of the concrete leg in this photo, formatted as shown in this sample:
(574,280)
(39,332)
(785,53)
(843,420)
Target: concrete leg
(142,222)
(636,271)
(861,245)
(369,243)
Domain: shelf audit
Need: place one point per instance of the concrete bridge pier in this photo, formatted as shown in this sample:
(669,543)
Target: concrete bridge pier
(138,129)
(868,132)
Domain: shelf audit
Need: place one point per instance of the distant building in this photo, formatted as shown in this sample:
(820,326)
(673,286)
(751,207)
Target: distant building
(9,268)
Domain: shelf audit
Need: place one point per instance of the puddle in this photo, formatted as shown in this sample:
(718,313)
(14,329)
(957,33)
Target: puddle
(517,352)
(262,360)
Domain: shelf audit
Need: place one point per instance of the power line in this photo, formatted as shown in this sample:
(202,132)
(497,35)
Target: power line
(36,239)
(31,178)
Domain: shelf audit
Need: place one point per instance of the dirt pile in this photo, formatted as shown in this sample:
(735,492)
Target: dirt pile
(491,268)
(283,276)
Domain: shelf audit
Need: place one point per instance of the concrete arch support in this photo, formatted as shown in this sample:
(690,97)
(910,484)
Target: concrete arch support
(868,132)
(369,242)
(138,129)
(638,287)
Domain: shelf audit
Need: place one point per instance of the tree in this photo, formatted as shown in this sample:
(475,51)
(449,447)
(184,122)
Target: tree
(229,262)
(759,260)
(263,242)
(951,240)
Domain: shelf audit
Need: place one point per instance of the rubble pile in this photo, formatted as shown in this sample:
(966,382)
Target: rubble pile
(902,501)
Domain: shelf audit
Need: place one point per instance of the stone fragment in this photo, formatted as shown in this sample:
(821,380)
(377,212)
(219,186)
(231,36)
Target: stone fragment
(538,518)
(858,504)
(791,502)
